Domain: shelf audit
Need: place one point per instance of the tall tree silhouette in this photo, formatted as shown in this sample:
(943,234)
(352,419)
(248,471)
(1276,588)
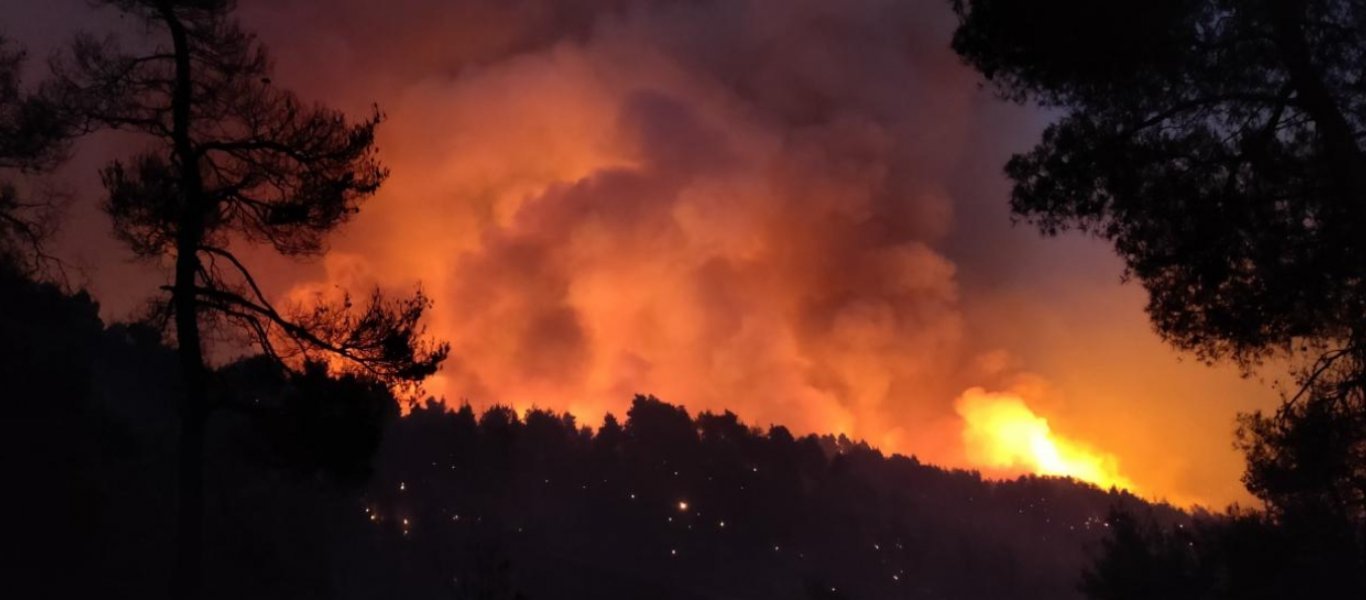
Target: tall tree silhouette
(1217,145)
(232,159)
(33,138)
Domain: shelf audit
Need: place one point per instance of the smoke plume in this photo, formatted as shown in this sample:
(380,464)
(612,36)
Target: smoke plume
(792,209)
(729,204)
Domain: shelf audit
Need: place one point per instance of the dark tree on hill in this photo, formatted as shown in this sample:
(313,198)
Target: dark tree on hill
(1141,561)
(1217,145)
(1309,458)
(33,139)
(1242,555)
(232,159)
(1307,463)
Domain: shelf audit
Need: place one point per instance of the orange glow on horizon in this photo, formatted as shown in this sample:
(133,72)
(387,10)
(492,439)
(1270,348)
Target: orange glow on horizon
(1001,432)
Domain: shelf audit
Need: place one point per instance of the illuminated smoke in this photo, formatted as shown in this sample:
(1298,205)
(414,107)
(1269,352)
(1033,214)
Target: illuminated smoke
(792,209)
(730,205)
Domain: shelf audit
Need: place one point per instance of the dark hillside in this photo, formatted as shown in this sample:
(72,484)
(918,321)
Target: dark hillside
(668,506)
(321,490)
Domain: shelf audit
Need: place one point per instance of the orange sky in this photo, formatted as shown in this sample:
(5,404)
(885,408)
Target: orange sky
(792,209)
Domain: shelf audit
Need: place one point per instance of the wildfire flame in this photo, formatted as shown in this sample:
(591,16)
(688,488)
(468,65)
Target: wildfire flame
(1001,432)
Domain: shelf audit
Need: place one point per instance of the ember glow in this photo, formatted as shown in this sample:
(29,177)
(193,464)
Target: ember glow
(1001,433)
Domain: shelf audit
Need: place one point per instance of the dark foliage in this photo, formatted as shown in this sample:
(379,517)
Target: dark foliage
(88,446)
(1310,456)
(1141,560)
(47,343)
(33,139)
(306,500)
(1240,555)
(237,159)
(310,423)
(1214,142)
(231,159)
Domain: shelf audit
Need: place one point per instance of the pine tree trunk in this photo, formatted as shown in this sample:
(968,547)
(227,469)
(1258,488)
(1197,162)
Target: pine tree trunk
(193,421)
(187,581)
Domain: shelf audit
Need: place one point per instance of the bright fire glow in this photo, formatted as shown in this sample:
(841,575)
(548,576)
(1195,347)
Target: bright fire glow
(1001,432)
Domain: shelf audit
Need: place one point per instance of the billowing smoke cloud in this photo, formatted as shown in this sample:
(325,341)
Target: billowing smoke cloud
(732,204)
(792,209)
(729,204)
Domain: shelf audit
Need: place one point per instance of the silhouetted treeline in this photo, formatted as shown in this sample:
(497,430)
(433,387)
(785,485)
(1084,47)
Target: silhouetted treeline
(1247,555)
(1217,145)
(664,505)
(318,490)
(1308,541)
